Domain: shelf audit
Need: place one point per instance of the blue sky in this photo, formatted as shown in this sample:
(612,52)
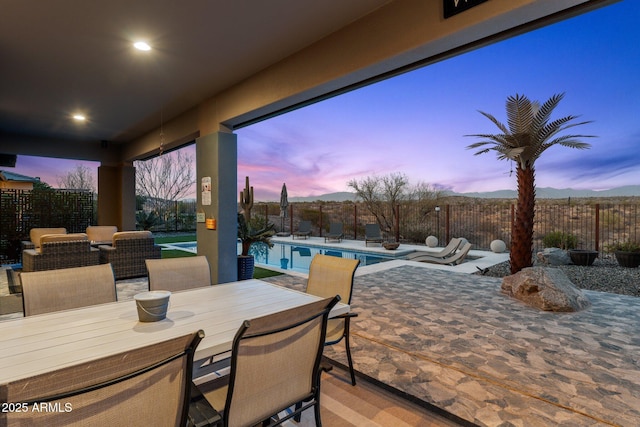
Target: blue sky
(415,123)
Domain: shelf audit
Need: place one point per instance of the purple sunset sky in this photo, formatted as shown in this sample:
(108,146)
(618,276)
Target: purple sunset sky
(415,123)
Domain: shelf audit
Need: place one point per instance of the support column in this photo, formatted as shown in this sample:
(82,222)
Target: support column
(217,158)
(117,196)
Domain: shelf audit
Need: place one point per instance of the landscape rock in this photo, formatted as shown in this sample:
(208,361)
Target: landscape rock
(548,289)
(554,256)
(498,246)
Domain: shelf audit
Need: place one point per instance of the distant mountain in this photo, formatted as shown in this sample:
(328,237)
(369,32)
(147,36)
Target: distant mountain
(541,192)
(341,196)
(557,193)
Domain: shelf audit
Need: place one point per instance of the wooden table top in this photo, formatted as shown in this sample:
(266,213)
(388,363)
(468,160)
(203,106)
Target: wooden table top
(37,344)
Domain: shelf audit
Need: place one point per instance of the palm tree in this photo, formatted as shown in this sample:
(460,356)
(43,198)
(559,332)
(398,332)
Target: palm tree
(529,134)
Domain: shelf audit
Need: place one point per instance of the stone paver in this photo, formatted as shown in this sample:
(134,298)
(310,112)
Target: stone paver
(454,341)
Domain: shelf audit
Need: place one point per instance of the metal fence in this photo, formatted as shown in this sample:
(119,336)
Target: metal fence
(595,225)
(176,216)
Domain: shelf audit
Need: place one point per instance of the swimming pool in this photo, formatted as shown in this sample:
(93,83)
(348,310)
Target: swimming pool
(294,257)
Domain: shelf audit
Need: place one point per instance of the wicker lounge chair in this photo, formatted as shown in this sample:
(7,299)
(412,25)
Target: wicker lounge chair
(128,252)
(60,251)
(372,234)
(36,233)
(304,230)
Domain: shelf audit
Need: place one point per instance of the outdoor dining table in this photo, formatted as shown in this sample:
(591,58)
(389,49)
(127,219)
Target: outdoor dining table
(42,343)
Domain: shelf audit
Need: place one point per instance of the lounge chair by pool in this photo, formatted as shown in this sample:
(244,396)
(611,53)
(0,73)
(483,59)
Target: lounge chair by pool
(447,251)
(454,259)
(304,230)
(335,232)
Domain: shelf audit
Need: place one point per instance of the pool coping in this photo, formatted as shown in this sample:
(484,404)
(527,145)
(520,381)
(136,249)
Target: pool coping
(483,259)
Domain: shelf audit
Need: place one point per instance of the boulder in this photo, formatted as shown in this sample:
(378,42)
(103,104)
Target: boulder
(554,256)
(548,289)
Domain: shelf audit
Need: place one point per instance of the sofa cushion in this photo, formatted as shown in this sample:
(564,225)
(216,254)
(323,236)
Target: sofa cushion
(35,234)
(121,235)
(101,233)
(47,238)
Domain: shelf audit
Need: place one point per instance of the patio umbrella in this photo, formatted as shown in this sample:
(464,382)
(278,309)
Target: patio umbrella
(284,204)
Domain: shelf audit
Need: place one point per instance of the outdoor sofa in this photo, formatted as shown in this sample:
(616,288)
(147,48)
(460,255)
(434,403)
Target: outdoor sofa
(36,233)
(128,252)
(60,251)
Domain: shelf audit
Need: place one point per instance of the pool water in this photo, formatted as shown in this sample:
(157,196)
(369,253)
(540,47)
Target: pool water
(295,257)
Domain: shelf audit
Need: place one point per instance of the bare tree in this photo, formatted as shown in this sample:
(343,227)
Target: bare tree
(165,179)
(80,178)
(381,194)
(426,196)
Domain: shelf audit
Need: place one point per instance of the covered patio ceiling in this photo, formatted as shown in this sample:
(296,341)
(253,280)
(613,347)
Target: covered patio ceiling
(76,57)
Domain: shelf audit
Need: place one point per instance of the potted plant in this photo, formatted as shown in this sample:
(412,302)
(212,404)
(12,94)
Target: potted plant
(583,257)
(249,235)
(627,253)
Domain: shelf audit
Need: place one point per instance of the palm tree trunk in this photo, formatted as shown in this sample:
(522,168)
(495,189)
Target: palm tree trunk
(522,235)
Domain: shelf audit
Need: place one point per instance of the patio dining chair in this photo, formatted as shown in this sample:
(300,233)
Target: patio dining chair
(63,289)
(329,275)
(178,274)
(148,385)
(275,364)
(335,232)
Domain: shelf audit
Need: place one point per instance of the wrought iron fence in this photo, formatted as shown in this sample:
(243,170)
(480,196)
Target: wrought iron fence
(176,216)
(595,225)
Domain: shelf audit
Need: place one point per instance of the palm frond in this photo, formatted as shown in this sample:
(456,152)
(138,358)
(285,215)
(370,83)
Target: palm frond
(495,121)
(544,113)
(530,131)
(559,126)
(519,114)
(569,141)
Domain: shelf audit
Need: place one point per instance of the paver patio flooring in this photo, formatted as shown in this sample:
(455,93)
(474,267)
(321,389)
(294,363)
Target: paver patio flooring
(454,341)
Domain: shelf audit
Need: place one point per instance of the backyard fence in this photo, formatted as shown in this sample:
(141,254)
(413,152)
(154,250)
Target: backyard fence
(22,210)
(595,225)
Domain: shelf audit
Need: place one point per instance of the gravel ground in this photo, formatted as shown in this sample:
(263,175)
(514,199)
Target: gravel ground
(604,275)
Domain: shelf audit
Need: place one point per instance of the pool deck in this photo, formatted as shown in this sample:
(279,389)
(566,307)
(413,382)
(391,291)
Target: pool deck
(450,339)
(478,259)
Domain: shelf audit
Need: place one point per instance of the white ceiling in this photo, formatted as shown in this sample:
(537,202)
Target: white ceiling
(65,56)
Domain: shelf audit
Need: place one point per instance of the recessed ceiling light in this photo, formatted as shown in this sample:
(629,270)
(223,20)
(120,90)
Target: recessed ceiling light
(142,46)
(79,117)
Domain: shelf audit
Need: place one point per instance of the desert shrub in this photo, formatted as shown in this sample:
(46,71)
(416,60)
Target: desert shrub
(559,239)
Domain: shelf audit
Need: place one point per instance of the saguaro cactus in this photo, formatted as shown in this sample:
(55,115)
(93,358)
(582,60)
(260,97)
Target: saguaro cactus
(246,201)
